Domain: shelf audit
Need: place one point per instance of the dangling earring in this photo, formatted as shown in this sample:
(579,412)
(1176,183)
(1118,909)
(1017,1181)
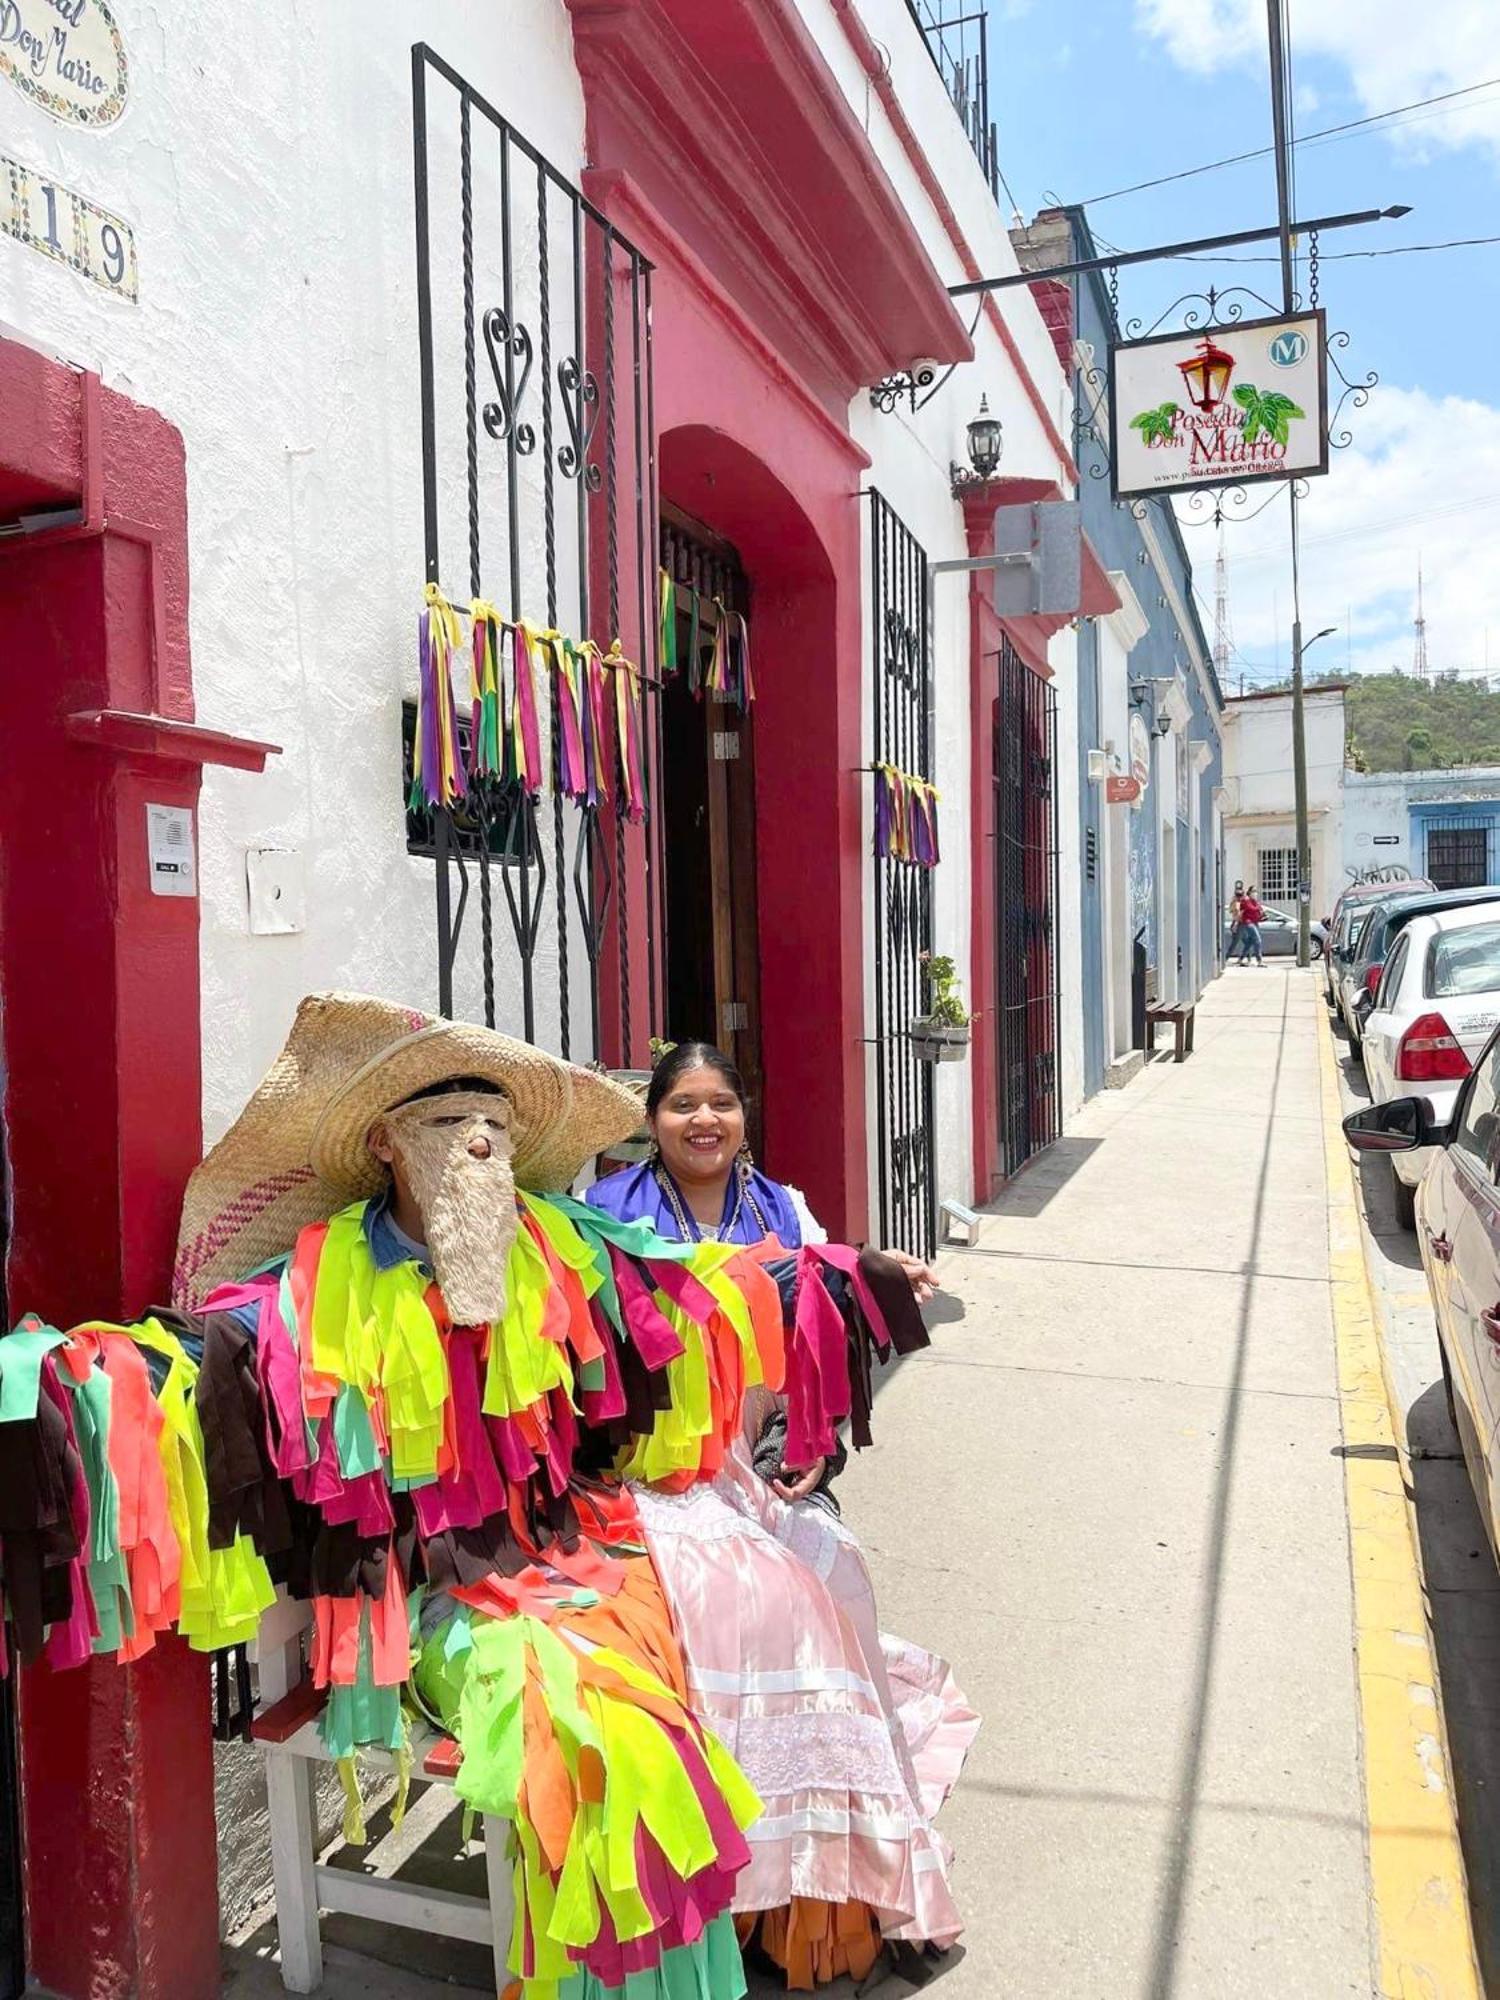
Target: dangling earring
(744,1161)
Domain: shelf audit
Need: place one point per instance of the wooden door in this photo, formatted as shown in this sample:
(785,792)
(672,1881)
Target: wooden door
(708,806)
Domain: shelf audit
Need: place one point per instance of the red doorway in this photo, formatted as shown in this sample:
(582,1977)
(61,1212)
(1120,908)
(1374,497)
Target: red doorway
(99,983)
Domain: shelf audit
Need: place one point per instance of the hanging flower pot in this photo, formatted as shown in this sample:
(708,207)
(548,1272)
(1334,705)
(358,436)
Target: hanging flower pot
(938,1041)
(942,1033)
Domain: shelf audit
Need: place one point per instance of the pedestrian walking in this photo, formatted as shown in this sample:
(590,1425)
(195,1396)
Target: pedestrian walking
(1234,921)
(1251,912)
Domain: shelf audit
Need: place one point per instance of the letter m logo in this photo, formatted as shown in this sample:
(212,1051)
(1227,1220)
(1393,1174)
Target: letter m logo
(1288,348)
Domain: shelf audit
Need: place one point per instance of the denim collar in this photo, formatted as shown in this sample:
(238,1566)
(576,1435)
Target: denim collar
(390,1245)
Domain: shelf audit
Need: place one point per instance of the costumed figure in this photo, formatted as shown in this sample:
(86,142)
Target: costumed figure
(401,1376)
(852,1739)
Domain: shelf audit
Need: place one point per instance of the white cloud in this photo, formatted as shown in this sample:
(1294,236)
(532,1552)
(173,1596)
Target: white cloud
(1422,478)
(1389,60)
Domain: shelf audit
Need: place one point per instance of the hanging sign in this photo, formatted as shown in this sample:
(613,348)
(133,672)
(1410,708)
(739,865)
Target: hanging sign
(1226,408)
(68,227)
(67,56)
(1121,791)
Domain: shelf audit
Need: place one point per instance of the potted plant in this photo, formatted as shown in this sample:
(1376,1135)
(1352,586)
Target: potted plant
(942,1033)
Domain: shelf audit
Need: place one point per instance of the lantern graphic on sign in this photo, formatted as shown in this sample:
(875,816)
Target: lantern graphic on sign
(1205,375)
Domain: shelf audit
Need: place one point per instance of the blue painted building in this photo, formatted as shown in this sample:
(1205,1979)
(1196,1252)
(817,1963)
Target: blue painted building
(1149,706)
(1441,824)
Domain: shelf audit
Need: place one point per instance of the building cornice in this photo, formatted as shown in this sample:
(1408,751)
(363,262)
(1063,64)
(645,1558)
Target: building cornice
(736,129)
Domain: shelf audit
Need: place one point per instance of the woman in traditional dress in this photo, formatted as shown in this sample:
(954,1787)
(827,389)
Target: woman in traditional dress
(852,1740)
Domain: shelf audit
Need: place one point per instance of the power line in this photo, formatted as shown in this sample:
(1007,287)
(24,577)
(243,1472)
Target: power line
(1340,256)
(1265,152)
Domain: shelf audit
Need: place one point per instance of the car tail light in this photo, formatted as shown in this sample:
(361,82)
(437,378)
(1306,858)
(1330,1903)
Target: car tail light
(1372,979)
(1429,1053)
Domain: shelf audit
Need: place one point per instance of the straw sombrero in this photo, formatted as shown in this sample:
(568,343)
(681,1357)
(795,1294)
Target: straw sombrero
(297,1152)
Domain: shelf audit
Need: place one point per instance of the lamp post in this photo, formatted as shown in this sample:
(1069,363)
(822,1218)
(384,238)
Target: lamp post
(1299,786)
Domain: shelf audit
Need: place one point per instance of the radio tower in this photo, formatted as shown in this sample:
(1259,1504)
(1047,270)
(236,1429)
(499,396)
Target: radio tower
(1222,640)
(1419,664)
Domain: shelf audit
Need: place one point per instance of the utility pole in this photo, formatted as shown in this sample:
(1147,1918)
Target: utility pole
(1281,124)
(1299,778)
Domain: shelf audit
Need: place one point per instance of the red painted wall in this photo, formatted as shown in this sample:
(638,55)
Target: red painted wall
(99,982)
(748,450)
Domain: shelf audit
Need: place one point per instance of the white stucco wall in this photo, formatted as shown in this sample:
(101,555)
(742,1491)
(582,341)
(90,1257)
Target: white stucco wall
(268,179)
(1377,826)
(1260,803)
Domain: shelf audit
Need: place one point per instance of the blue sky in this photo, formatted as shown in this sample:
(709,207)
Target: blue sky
(1089,95)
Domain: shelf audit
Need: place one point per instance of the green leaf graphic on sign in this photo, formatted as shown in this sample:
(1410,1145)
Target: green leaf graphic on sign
(1267,413)
(1155,426)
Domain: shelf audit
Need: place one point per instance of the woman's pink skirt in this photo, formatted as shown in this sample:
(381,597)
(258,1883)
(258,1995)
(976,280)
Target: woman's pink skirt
(852,1740)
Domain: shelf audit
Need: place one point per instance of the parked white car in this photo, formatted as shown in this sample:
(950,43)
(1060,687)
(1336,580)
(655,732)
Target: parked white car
(1437,1005)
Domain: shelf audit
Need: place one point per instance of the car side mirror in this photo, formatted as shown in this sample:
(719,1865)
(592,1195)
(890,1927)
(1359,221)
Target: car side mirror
(1400,1126)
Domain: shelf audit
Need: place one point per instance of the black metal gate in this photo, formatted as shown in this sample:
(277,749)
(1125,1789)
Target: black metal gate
(539,491)
(1026,1018)
(901,636)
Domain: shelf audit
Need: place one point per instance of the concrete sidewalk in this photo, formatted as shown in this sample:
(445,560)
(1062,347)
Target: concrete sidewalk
(1113,1495)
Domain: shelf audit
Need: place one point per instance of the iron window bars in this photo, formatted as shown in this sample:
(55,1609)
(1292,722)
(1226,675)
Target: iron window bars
(900,628)
(538,464)
(1027,1078)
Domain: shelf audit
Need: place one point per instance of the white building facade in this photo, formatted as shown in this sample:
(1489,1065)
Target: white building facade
(274,316)
(1260,826)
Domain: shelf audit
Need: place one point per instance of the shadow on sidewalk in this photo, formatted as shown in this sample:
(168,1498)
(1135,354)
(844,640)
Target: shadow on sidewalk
(1046,1174)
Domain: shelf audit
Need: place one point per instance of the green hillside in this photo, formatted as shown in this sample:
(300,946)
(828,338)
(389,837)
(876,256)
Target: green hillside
(1398,723)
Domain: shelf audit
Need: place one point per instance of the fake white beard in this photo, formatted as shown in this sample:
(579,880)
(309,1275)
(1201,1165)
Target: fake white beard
(468,1211)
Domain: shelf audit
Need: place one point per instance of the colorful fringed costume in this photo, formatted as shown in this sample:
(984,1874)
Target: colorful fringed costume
(450,1499)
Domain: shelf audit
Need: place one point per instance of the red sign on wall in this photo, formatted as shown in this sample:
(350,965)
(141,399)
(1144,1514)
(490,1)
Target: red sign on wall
(1122,791)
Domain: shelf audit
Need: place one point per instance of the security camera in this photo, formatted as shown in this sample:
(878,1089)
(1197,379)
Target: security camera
(923,373)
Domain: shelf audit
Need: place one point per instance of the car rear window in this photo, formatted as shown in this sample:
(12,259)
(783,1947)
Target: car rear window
(1465,961)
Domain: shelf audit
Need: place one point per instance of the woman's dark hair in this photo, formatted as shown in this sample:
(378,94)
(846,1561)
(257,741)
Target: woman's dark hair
(675,1065)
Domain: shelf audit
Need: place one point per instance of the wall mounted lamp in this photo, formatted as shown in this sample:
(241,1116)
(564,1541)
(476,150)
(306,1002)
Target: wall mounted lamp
(986,439)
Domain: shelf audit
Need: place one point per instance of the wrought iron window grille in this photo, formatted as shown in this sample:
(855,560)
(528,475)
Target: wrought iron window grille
(539,484)
(901,628)
(1026,860)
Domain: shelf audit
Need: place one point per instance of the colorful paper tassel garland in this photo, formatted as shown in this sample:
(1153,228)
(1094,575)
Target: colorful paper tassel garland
(906,826)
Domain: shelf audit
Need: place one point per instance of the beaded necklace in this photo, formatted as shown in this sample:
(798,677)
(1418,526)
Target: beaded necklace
(688,1223)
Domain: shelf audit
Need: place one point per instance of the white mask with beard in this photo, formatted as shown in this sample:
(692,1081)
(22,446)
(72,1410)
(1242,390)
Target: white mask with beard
(468,1204)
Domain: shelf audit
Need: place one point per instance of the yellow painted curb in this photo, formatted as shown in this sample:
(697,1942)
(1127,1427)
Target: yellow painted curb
(1424,1938)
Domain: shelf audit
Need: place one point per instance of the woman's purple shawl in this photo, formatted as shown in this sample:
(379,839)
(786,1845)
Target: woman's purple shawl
(634,1196)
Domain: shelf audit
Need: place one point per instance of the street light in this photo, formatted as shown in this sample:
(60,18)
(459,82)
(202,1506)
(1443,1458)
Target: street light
(1299,785)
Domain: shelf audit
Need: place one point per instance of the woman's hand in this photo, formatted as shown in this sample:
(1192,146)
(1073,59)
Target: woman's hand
(797,1485)
(922,1278)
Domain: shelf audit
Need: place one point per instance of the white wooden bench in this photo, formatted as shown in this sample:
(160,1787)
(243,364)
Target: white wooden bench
(286,1728)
